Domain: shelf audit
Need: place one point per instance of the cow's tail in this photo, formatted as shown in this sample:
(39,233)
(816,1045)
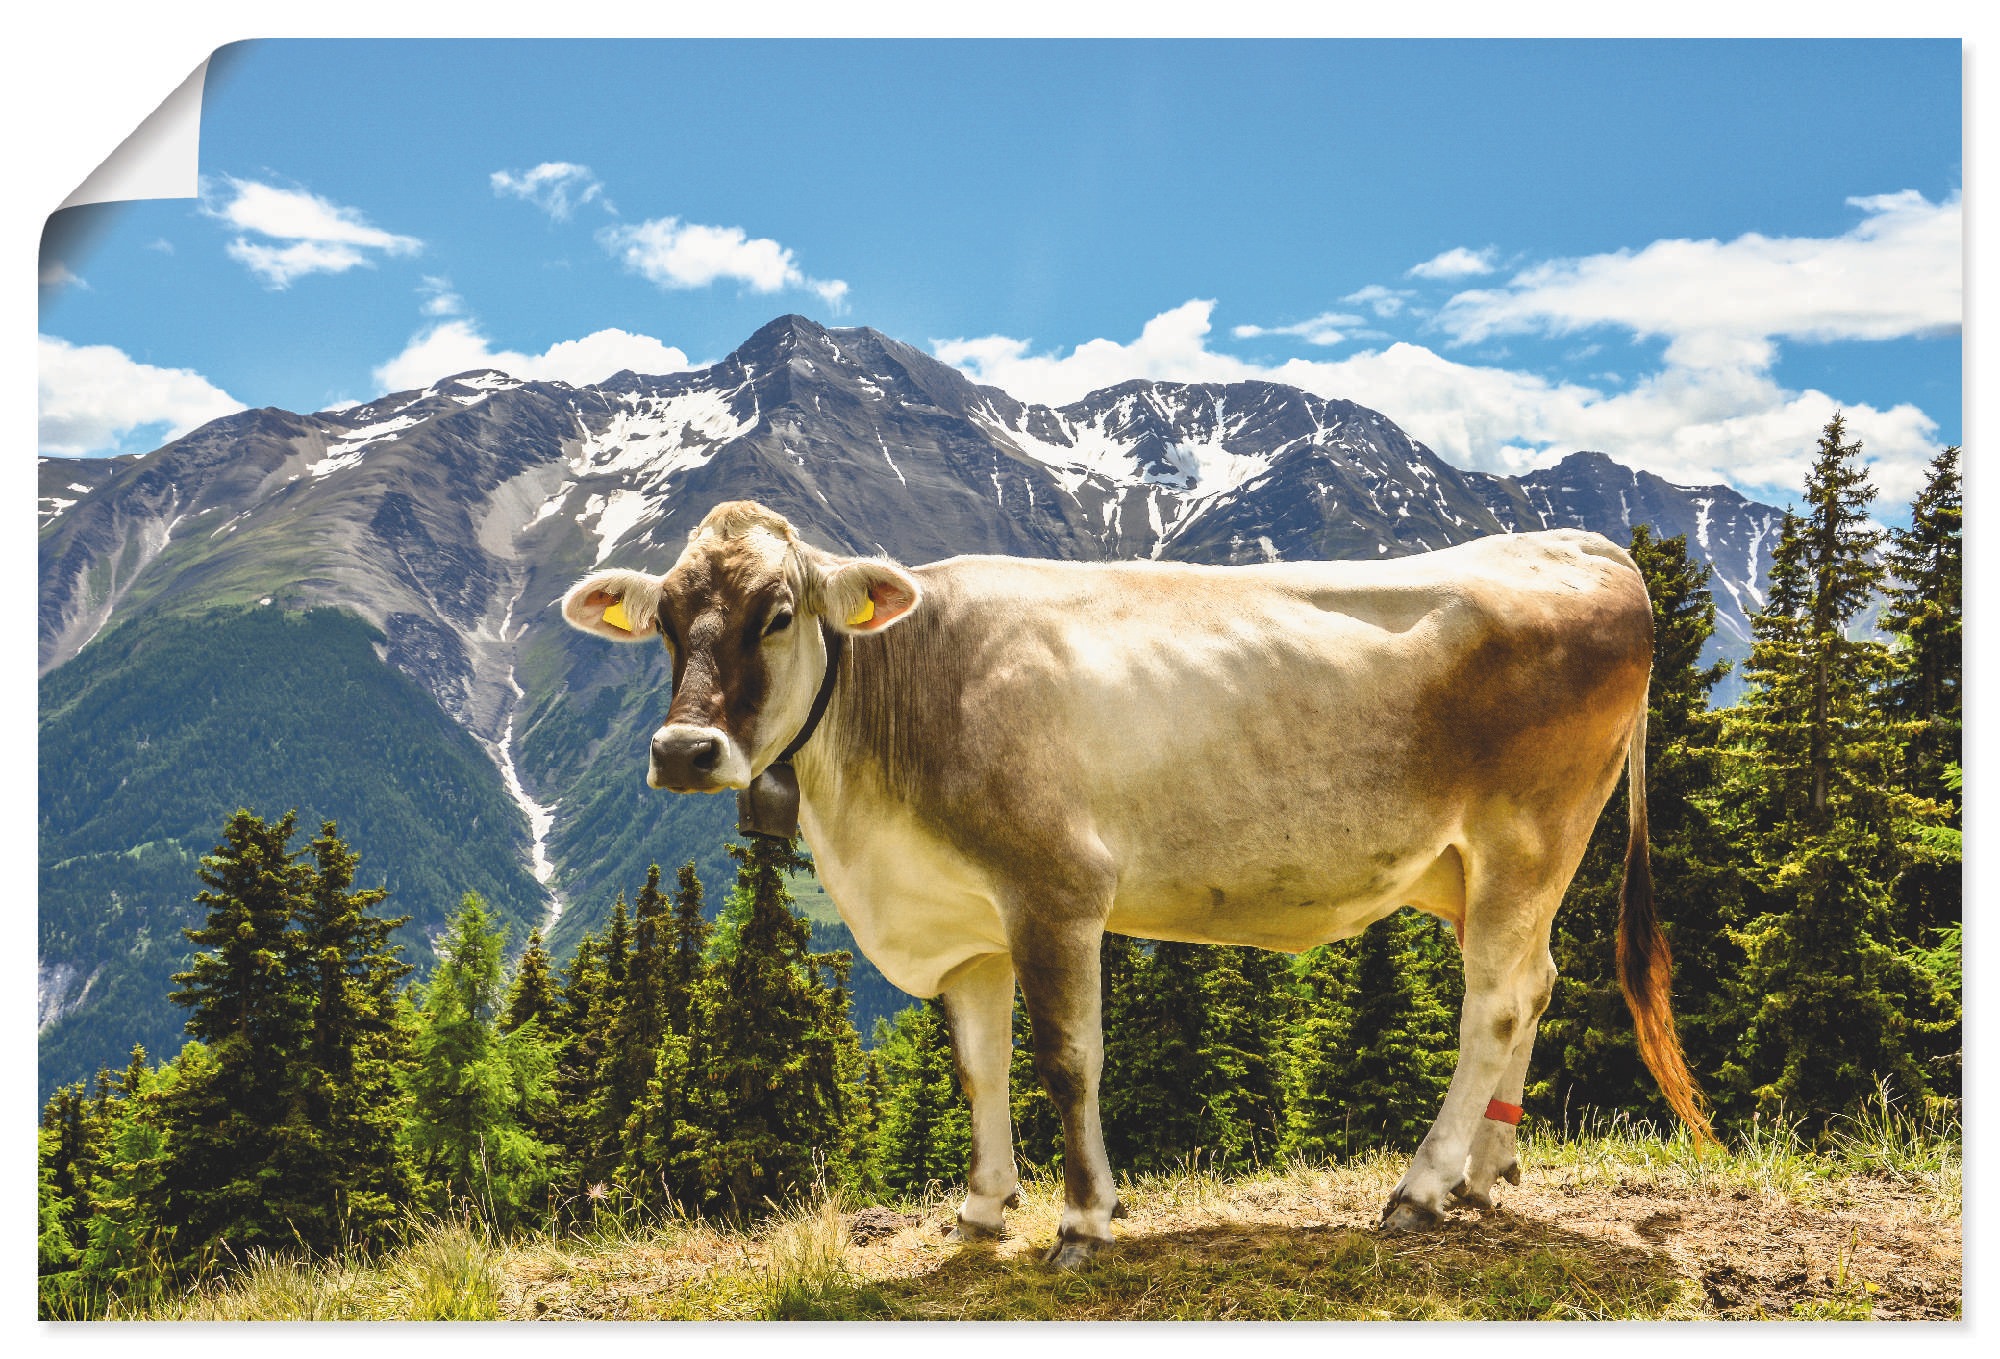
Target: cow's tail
(1645,964)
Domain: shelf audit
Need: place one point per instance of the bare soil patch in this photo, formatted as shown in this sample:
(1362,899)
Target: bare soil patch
(1302,1244)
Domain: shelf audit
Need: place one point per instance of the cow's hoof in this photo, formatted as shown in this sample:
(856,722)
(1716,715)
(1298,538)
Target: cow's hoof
(1407,1215)
(1472,1198)
(1073,1252)
(1118,1209)
(1013,1200)
(968,1230)
(1512,1174)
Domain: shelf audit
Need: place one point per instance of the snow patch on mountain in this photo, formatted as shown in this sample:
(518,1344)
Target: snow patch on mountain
(346,451)
(660,436)
(616,515)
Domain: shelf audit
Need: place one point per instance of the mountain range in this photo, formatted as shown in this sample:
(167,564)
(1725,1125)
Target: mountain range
(352,611)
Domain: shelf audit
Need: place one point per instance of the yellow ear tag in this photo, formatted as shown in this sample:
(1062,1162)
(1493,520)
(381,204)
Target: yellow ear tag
(864,613)
(615,615)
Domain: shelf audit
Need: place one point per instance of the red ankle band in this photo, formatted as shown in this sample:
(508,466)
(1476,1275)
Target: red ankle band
(1500,1111)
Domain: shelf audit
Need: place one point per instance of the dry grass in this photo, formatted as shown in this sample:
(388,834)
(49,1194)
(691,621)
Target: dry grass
(1613,1224)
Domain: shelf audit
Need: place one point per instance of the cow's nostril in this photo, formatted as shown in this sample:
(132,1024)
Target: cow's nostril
(703,754)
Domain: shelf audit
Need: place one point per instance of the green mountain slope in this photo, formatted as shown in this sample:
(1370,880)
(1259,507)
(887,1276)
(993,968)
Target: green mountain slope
(162,727)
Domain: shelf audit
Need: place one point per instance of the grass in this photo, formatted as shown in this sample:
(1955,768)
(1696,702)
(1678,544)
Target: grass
(1881,1142)
(1610,1222)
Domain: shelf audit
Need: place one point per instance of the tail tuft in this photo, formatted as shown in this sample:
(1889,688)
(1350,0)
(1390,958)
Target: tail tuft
(1646,964)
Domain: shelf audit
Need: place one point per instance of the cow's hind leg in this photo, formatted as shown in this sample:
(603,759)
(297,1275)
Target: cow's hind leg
(1507,978)
(1494,1156)
(1059,982)
(979,1004)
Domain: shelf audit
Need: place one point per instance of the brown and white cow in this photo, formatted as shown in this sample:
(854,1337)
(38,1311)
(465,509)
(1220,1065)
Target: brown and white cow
(1015,756)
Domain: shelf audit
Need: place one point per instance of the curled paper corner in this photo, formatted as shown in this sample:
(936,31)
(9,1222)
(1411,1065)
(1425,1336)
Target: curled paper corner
(162,157)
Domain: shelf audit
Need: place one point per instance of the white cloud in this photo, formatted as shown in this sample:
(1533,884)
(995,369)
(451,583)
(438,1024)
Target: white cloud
(1690,425)
(557,187)
(278,265)
(323,236)
(93,395)
(1457,262)
(439,299)
(677,254)
(457,345)
(1380,300)
(1897,273)
(1326,328)
(56,274)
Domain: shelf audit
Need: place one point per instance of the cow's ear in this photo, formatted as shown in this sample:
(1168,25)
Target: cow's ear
(621,605)
(867,595)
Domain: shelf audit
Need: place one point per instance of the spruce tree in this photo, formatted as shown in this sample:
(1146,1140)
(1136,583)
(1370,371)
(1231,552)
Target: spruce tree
(924,1130)
(688,948)
(341,1180)
(583,1017)
(475,1090)
(657,1140)
(618,948)
(254,1016)
(1152,1115)
(129,1255)
(776,1081)
(55,1251)
(1402,1038)
(1246,1005)
(1925,610)
(1317,1114)
(71,1157)
(639,1021)
(1824,1002)
(532,993)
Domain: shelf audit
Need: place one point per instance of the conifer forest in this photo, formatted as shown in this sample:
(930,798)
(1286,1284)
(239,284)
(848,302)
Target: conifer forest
(695,1054)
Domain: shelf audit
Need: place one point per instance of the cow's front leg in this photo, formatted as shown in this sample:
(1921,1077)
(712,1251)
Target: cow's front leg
(1059,982)
(979,1003)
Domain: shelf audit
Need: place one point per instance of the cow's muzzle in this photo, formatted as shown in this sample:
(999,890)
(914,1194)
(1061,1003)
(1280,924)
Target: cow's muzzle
(690,759)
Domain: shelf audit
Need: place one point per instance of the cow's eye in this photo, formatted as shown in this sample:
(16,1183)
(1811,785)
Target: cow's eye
(780,620)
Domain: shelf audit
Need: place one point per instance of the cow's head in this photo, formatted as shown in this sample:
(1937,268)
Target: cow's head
(739,615)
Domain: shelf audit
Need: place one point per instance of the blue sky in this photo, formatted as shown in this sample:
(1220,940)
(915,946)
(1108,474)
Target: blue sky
(1686,254)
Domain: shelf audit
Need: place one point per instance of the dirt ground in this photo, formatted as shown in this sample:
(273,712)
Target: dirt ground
(1305,1245)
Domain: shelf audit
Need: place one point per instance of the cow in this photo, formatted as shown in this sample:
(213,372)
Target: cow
(996,760)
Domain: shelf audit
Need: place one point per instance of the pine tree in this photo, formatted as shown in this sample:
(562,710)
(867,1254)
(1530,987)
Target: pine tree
(341,1180)
(1246,1004)
(71,1159)
(1824,1002)
(1152,1116)
(532,993)
(1402,1035)
(223,1178)
(638,1023)
(689,947)
(475,1090)
(55,1251)
(1586,1053)
(924,1132)
(1925,610)
(579,1036)
(129,1254)
(618,947)
(776,1082)
(1317,1114)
